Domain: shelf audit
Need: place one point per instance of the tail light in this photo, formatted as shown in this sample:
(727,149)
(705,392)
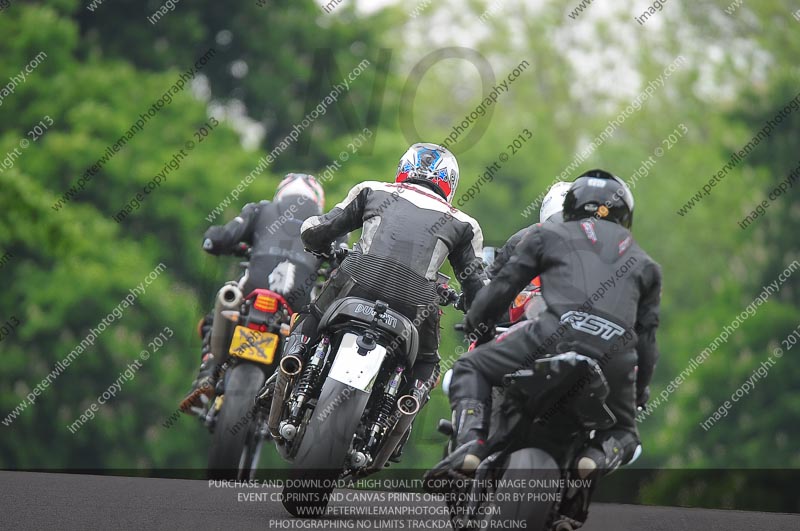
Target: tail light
(261,327)
(521,299)
(265,303)
(517,309)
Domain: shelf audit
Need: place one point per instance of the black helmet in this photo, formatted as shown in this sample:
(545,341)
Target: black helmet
(599,194)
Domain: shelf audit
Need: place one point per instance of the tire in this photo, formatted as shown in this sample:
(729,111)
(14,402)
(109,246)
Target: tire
(234,421)
(525,466)
(321,456)
(248,465)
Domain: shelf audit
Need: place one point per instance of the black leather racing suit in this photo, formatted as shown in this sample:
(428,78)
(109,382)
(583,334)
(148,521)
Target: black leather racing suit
(272,229)
(602,293)
(504,253)
(407,233)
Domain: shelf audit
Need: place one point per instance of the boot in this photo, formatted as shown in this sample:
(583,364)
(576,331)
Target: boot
(470,421)
(398,451)
(203,386)
(598,458)
(470,424)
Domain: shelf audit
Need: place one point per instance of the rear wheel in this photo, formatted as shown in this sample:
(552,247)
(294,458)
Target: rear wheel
(321,456)
(522,503)
(235,423)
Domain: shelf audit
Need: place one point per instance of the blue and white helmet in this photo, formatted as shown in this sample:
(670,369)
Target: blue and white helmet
(432,163)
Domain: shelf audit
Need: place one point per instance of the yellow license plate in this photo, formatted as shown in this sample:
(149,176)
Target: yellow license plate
(253,345)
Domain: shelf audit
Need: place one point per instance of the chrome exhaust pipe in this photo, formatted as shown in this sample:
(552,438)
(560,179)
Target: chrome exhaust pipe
(229,297)
(289,367)
(407,406)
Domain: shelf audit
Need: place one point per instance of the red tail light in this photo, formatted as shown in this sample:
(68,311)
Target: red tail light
(521,300)
(256,326)
(517,309)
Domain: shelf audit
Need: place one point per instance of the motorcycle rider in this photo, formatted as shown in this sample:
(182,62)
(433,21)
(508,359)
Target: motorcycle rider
(550,211)
(576,259)
(278,260)
(409,229)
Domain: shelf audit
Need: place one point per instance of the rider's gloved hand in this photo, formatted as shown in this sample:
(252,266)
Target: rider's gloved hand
(213,234)
(463,461)
(480,332)
(642,396)
(467,326)
(446,295)
(461,303)
(324,254)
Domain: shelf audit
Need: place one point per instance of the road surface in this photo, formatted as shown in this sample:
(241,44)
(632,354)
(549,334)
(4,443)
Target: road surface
(30,500)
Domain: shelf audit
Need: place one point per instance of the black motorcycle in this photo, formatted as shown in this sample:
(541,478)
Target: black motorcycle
(251,328)
(521,480)
(339,413)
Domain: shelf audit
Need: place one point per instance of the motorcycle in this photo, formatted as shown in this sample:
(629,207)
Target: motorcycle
(520,480)
(251,329)
(339,413)
(526,306)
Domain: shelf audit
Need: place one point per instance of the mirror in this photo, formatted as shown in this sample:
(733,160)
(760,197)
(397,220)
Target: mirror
(488,255)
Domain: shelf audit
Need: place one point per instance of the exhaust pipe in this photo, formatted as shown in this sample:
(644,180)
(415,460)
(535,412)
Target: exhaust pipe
(407,406)
(229,297)
(289,367)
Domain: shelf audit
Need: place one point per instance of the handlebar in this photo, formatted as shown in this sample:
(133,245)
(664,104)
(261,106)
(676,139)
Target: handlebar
(498,329)
(481,338)
(242,250)
(334,254)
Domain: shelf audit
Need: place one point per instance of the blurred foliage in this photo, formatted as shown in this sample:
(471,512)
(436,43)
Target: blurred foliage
(105,67)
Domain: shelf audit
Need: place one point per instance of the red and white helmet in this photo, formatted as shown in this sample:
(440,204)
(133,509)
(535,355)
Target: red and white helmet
(301,184)
(431,163)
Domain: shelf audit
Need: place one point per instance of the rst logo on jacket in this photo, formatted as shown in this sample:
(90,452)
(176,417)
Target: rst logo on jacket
(592,324)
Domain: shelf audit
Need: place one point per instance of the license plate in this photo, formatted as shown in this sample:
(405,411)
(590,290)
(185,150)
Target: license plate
(253,345)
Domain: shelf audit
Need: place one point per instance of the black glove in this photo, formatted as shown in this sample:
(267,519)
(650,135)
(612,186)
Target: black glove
(642,396)
(479,332)
(461,303)
(212,235)
(446,295)
(467,327)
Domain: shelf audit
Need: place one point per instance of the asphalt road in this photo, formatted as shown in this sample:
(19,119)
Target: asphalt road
(83,502)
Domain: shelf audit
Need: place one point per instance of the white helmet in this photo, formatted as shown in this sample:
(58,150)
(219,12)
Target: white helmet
(304,185)
(432,163)
(553,202)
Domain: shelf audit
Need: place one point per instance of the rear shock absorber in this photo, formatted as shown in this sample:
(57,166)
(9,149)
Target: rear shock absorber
(385,410)
(310,378)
